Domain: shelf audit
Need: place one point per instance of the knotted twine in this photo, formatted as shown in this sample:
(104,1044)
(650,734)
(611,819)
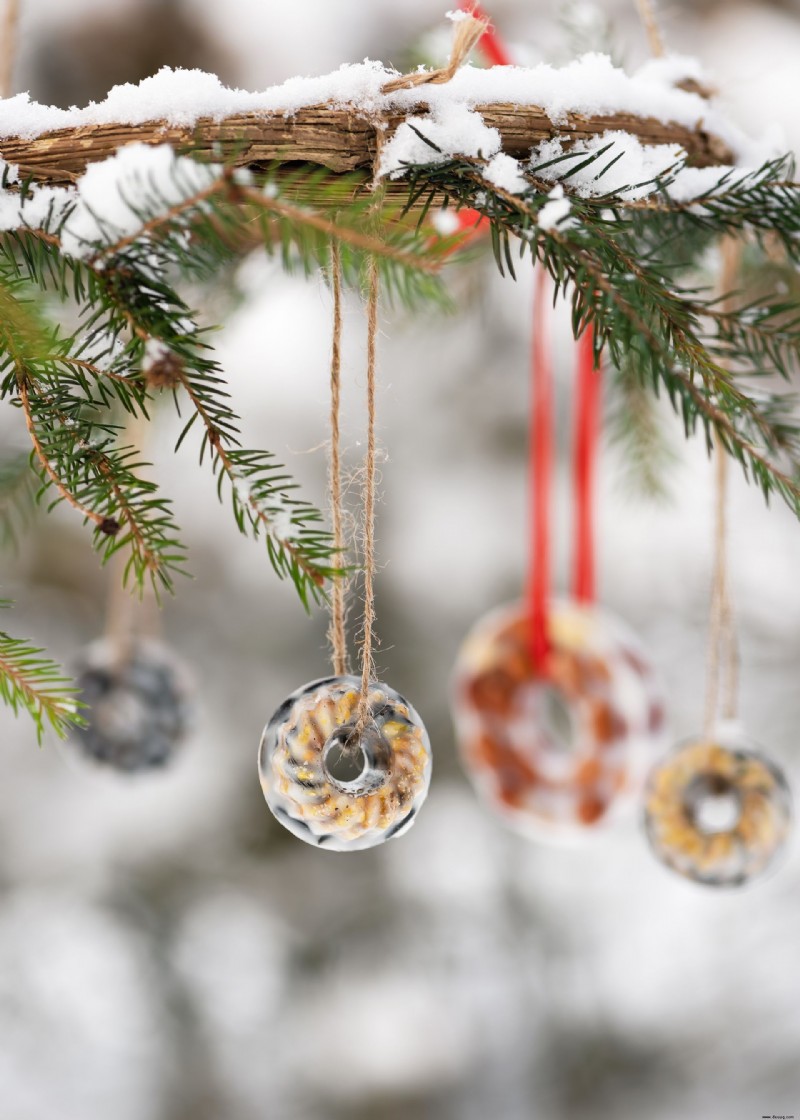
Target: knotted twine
(468,30)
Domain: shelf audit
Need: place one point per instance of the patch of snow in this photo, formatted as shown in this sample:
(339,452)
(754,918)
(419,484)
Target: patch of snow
(672,69)
(555,214)
(111,195)
(505,172)
(40,205)
(451,129)
(629,168)
(280,517)
(697,182)
(155,351)
(242,490)
(591,85)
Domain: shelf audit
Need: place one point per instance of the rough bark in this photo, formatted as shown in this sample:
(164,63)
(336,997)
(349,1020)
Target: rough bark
(338,139)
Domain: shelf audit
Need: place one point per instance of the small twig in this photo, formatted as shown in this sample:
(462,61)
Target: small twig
(90,367)
(161,219)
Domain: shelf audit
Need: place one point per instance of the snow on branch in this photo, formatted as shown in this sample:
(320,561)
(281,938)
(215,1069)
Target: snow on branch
(341,120)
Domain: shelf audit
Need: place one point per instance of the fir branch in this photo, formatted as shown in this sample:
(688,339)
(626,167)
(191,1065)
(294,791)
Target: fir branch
(131,512)
(207,225)
(74,452)
(32,682)
(628,291)
(297,547)
(17,497)
(49,472)
(120,273)
(128,296)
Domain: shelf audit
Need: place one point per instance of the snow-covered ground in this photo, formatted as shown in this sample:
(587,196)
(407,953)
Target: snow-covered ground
(167,952)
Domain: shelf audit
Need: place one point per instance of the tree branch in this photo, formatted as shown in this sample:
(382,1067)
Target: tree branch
(339,139)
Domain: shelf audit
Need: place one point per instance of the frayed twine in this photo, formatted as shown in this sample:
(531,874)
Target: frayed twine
(467,34)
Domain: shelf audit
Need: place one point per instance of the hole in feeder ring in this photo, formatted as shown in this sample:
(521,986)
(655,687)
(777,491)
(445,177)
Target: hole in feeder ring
(356,765)
(556,720)
(344,763)
(713,805)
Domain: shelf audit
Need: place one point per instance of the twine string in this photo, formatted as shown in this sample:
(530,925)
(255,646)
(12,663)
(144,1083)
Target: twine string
(336,629)
(647,14)
(367,664)
(722,669)
(467,33)
(722,659)
(8,49)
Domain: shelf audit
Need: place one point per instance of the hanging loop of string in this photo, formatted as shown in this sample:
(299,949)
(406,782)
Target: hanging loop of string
(722,670)
(647,14)
(367,666)
(336,629)
(8,46)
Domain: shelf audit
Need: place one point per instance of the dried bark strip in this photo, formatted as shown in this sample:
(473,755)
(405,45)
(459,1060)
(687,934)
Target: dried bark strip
(338,139)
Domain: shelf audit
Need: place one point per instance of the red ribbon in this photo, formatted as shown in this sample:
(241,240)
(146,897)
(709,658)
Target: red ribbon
(587,426)
(540,469)
(587,431)
(588,404)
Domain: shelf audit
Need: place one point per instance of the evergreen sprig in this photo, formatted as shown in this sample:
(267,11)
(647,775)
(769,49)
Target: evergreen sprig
(73,443)
(31,682)
(632,289)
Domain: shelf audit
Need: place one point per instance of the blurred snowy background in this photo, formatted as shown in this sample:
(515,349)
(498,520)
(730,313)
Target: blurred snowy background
(167,952)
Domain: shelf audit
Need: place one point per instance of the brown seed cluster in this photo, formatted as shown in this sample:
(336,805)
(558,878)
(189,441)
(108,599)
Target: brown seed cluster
(681,787)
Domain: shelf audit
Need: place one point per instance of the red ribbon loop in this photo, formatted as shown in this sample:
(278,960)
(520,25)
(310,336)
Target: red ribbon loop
(541,468)
(587,432)
(588,404)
